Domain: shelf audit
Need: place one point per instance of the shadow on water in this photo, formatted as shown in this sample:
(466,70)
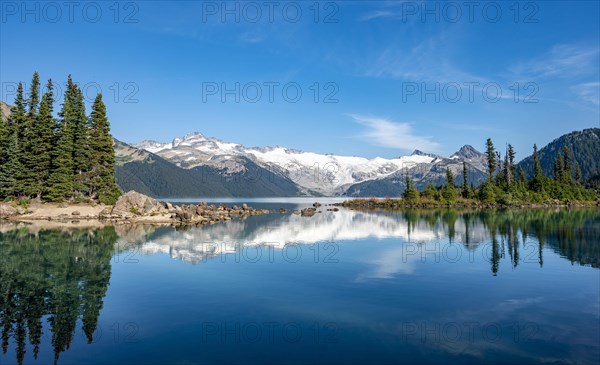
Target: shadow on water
(61,275)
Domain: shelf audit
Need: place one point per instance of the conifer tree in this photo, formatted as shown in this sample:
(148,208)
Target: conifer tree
(34,95)
(449,177)
(101,177)
(60,182)
(491,157)
(430,192)
(411,192)
(506,173)
(29,160)
(511,170)
(567,174)
(465,187)
(4,143)
(558,168)
(42,140)
(17,129)
(9,183)
(449,192)
(536,182)
(80,140)
(498,161)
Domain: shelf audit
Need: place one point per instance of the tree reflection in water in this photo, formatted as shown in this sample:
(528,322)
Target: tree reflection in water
(53,275)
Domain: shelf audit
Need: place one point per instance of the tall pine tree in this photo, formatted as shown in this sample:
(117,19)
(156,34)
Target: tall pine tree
(4,143)
(537,183)
(511,169)
(27,177)
(567,174)
(101,180)
(465,191)
(61,180)
(17,131)
(490,154)
(9,183)
(42,139)
(81,149)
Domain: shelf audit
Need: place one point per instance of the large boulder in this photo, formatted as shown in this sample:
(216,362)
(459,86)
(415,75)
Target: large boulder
(134,203)
(308,212)
(7,211)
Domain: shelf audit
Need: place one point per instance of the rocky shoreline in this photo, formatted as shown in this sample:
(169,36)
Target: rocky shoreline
(132,207)
(392,204)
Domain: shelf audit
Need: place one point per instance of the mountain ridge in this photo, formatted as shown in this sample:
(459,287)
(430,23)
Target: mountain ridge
(326,174)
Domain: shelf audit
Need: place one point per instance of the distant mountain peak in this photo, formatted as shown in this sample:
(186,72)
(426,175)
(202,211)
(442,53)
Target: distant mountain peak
(467,152)
(418,153)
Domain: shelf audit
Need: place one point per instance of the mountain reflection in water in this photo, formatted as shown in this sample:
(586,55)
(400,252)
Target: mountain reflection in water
(60,276)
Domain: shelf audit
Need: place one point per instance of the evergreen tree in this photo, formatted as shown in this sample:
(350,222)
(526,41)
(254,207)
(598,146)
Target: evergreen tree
(487,193)
(101,177)
(537,181)
(411,192)
(449,192)
(34,95)
(80,141)
(465,192)
(511,170)
(9,183)
(449,178)
(567,174)
(558,168)
(17,130)
(498,161)
(430,192)
(60,182)
(4,141)
(506,173)
(29,160)
(491,157)
(42,140)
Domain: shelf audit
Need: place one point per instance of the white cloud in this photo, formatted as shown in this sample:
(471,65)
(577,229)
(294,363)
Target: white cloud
(386,133)
(589,91)
(376,14)
(563,60)
(428,61)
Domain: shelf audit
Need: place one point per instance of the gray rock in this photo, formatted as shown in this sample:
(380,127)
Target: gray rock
(76,212)
(133,202)
(308,212)
(7,211)
(184,216)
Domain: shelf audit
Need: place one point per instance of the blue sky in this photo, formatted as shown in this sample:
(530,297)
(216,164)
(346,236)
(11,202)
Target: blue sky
(376,78)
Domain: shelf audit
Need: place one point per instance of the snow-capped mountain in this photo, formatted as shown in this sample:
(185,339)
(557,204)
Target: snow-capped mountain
(324,174)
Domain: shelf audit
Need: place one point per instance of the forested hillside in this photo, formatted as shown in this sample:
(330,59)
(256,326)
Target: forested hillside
(584,147)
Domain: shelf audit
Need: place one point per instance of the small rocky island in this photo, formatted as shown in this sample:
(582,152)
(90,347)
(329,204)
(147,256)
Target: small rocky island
(131,207)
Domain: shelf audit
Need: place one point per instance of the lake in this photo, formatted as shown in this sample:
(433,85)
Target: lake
(344,287)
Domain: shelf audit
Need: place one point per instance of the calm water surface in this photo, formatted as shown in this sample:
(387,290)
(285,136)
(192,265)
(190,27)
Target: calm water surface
(339,287)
